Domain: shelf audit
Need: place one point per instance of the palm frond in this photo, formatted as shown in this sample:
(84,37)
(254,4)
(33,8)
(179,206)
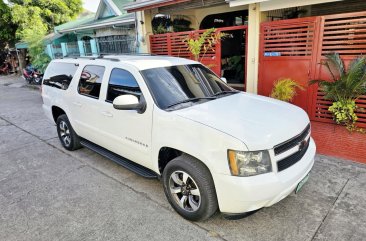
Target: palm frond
(335,63)
(346,85)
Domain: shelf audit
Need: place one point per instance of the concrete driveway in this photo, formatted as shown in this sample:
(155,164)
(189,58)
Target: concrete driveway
(47,193)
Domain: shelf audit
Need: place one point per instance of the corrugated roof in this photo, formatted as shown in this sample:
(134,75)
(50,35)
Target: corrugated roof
(75,23)
(21,45)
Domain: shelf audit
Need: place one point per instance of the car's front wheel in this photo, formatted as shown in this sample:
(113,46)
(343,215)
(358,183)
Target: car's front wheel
(69,139)
(189,187)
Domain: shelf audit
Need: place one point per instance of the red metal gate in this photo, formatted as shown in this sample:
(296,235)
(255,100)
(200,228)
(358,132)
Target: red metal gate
(346,35)
(173,44)
(294,48)
(286,51)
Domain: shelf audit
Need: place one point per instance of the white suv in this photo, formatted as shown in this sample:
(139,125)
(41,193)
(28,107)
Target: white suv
(172,118)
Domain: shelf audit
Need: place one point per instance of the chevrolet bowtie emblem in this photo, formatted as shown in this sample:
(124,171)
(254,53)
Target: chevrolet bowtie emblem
(302,145)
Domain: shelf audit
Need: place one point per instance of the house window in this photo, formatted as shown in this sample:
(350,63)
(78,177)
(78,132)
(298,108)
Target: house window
(116,44)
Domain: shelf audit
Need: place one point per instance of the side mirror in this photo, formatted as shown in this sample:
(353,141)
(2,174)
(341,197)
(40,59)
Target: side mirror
(224,79)
(127,102)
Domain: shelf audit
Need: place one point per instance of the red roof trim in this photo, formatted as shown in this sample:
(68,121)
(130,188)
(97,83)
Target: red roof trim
(166,3)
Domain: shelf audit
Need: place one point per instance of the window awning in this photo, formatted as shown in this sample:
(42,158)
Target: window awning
(150,4)
(21,45)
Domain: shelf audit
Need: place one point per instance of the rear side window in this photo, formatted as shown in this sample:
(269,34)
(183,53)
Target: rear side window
(122,82)
(59,75)
(91,81)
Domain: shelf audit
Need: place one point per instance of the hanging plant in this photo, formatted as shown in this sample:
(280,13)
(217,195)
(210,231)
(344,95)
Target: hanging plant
(181,24)
(161,24)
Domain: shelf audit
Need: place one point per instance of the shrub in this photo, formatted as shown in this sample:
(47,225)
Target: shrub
(285,89)
(344,89)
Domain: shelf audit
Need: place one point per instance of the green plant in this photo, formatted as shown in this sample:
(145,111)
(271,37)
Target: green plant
(345,87)
(235,63)
(161,24)
(204,42)
(285,89)
(344,113)
(160,29)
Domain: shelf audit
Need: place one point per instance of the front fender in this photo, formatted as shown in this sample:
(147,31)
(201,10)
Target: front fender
(200,141)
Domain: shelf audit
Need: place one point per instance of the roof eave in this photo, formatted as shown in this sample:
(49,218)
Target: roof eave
(98,26)
(140,6)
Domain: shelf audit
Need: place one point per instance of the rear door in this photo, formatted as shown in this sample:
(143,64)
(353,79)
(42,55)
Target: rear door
(128,132)
(85,104)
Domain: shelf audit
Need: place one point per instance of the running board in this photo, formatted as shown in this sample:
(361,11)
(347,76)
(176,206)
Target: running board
(130,165)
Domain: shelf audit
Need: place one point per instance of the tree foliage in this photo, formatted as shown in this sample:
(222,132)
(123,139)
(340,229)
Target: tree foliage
(7,28)
(42,15)
(36,18)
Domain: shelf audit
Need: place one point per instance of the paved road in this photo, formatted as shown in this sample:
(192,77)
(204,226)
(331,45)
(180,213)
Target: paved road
(47,193)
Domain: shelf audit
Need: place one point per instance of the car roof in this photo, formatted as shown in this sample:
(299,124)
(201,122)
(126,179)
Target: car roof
(140,62)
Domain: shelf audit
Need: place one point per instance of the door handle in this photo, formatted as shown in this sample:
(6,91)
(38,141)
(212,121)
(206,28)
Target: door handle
(106,113)
(77,104)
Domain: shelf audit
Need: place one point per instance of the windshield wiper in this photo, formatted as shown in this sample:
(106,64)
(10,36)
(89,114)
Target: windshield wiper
(190,100)
(224,92)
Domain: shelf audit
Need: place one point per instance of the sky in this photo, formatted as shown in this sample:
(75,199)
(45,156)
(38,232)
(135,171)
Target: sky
(91,5)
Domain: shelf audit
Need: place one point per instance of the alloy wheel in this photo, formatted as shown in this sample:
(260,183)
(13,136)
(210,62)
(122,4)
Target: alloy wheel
(65,133)
(185,191)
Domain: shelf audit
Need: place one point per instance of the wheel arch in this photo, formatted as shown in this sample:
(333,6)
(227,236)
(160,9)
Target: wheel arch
(167,154)
(56,112)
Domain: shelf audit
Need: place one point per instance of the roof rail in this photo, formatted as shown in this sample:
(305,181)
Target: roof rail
(105,56)
(90,57)
(132,54)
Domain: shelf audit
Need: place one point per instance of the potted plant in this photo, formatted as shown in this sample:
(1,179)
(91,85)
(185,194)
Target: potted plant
(203,43)
(285,89)
(346,86)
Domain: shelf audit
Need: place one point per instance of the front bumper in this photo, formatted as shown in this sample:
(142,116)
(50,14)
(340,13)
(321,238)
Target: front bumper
(244,194)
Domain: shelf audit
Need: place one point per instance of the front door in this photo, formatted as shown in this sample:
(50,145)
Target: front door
(128,132)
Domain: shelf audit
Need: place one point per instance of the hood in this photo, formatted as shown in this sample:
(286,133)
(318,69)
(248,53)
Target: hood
(260,122)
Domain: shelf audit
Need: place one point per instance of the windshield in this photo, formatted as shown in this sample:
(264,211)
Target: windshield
(184,85)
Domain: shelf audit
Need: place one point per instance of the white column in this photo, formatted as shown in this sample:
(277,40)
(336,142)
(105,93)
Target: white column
(144,29)
(254,20)
(81,48)
(64,49)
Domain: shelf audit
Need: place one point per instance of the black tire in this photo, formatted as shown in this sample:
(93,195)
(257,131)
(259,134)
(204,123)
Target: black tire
(73,142)
(201,177)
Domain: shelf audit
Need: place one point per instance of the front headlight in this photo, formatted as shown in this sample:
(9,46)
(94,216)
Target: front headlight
(249,163)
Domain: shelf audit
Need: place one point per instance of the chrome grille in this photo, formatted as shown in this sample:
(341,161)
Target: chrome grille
(287,145)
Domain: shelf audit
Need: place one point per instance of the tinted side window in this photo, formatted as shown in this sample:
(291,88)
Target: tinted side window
(91,80)
(59,75)
(122,82)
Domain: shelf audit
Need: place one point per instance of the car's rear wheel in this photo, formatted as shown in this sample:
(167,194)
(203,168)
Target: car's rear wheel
(69,139)
(189,188)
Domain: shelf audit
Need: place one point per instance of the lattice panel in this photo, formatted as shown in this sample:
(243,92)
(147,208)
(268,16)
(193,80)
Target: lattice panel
(174,44)
(289,39)
(178,45)
(345,34)
(158,44)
